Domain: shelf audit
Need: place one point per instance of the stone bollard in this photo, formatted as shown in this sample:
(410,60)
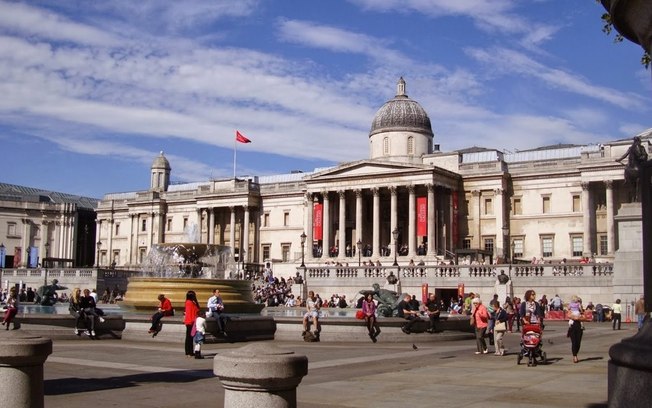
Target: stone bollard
(21,369)
(260,375)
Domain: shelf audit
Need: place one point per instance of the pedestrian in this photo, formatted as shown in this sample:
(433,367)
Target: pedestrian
(575,330)
(639,309)
(12,308)
(479,320)
(191,308)
(500,327)
(199,334)
(617,310)
(369,310)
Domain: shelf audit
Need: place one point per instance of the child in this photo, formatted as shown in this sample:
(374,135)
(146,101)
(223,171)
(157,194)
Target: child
(200,332)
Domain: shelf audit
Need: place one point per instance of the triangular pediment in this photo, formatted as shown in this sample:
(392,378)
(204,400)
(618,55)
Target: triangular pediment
(368,168)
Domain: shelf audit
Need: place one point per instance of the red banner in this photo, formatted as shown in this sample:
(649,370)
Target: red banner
(317,222)
(424,292)
(460,290)
(422,216)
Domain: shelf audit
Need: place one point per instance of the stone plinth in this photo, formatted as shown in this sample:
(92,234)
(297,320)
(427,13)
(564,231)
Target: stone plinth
(21,369)
(630,370)
(628,262)
(260,375)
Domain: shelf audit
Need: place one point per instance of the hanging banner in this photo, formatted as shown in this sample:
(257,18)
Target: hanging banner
(3,255)
(317,222)
(422,216)
(424,292)
(460,290)
(33,257)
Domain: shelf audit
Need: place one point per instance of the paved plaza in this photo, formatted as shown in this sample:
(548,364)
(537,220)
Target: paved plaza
(134,374)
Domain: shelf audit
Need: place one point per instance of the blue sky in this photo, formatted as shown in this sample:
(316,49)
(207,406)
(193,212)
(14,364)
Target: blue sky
(92,91)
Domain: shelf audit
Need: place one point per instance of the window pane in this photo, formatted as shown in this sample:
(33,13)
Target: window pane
(517,206)
(546,245)
(576,203)
(518,248)
(578,246)
(546,205)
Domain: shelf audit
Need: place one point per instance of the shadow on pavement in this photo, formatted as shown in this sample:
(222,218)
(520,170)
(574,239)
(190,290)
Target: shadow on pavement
(63,386)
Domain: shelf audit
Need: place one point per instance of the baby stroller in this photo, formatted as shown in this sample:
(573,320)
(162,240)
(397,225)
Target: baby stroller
(531,346)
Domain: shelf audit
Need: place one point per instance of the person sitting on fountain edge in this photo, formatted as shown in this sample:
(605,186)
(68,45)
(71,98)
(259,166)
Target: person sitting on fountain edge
(405,311)
(312,305)
(164,309)
(216,307)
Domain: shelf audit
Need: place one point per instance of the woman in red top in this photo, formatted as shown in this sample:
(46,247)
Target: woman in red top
(164,309)
(191,310)
(480,317)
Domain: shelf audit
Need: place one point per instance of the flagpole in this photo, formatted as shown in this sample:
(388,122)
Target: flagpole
(235,144)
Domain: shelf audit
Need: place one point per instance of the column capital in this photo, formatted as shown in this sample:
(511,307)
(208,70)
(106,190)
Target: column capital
(609,184)
(308,196)
(324,194)
(585,185)
(430,187)
(246,208)
(499,191)
(358,192)
(476,193)
(341,193)
(393,190)
(411,188)
(232,208)
(375,191)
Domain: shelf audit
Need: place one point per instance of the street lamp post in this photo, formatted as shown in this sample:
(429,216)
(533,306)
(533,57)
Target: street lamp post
(97,260)
(395,236)
(359,245)
(45,263)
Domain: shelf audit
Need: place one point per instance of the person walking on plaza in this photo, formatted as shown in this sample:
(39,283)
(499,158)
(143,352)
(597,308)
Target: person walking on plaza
(576,329)
(617,310)
(639,309)
(369,311)
(164,309)
(216,307)
(12,308)
(191,309)
(500,327)
(479,320)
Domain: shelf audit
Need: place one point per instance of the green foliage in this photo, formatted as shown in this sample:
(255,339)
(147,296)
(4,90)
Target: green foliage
(608,27)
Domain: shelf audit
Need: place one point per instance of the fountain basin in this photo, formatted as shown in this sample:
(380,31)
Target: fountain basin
(142,293)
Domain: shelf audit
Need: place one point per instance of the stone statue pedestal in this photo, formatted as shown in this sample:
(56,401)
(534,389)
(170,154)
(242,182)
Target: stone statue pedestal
(503,290)
(629,375)
(628,262)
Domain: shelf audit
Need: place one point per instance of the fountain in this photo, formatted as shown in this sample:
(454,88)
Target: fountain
(175,268)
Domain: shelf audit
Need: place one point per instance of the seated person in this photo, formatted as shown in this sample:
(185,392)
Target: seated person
(313,304)
(216,308)
(164,309)
(405,311)
(431,307)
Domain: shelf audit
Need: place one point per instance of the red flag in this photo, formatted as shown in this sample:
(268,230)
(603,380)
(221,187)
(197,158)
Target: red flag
(240,137)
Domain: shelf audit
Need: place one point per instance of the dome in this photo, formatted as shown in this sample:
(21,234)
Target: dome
(160,162)
(401,114)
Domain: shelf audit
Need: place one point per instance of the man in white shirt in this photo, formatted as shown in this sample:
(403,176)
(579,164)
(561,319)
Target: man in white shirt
(216,307)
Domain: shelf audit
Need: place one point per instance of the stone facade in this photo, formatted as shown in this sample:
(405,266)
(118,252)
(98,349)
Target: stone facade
(551,203)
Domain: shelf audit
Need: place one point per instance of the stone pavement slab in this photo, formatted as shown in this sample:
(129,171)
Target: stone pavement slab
(136,374)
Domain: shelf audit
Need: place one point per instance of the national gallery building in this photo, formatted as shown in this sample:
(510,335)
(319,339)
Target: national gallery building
(408,201)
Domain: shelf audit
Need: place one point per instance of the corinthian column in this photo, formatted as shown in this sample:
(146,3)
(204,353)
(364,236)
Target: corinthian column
(342,234)
(611,240)
(586,219)
(375,244)
(431,220)
(412,221)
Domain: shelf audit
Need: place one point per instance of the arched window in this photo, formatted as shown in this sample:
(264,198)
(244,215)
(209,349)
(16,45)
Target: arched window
(386,146)
(410,145)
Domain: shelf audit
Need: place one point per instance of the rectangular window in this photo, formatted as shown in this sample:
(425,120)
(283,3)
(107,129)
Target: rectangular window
(488,206)
(11,229)
(285,248)
(546,247)
(466,244)
(286,219)
(143,225)
(103,258)
(603,244)
(266,251)
(117,229)
(142,253)
(578,245)
(516,207)
(577,203)
(489,244)
(546,204)
(517,248)
(116,258)
(185,223)
(168,225)
(266,220)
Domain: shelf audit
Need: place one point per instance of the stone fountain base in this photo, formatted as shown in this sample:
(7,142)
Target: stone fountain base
(142,294)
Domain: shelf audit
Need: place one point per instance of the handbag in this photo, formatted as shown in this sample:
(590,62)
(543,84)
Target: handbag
(500,326)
